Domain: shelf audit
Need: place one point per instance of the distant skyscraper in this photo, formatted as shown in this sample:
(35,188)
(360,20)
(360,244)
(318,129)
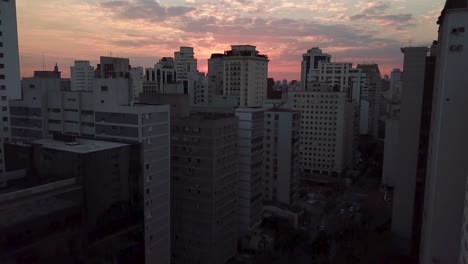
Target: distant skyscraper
(245,75)
(164,74)
(82,76)
(216,74)
(10,87)
(374,94)
(185,63)
(136,83)
(111,67)
(448,148)
(310,70)
(395,85)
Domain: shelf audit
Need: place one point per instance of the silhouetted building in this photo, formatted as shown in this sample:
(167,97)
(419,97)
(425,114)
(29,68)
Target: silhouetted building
(271,92)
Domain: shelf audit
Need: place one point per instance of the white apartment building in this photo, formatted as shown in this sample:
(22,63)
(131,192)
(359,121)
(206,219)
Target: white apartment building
(245,75)
(250,167)
(329,128)
(448,148)
(282,136)
(10,87)
(82,76)
(185,63)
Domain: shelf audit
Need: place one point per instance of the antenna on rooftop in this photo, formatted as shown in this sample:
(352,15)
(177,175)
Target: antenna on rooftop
(43,62)
(409,42)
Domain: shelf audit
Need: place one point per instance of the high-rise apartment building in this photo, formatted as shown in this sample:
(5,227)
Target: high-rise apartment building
(329,129)
(251,167)
(82,76)
(448,145)
(282,136)
(204,188)
(245,75)
(10,87)
(185,63)
(374,94)
(216,74)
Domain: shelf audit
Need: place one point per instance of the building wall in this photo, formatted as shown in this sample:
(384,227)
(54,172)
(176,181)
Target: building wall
(464,232)
(408,141)
(282,134)
(447,165)
(251,167)
(148,125)
(204,189)
(9,70)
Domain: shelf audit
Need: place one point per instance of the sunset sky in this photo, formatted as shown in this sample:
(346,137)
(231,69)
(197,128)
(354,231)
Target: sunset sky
(358,31)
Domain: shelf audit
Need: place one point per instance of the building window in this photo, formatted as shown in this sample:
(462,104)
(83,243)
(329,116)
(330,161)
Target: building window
(2,76)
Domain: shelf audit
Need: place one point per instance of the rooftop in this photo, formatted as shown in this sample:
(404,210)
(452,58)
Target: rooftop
(80,146)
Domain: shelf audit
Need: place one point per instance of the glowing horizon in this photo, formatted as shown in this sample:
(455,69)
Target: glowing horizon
(369,31)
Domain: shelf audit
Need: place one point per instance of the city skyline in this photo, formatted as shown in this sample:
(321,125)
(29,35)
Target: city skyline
(146,30)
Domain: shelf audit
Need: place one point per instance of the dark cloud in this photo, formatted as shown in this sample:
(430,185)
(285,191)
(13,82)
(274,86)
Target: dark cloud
(377,13)
(149,10)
